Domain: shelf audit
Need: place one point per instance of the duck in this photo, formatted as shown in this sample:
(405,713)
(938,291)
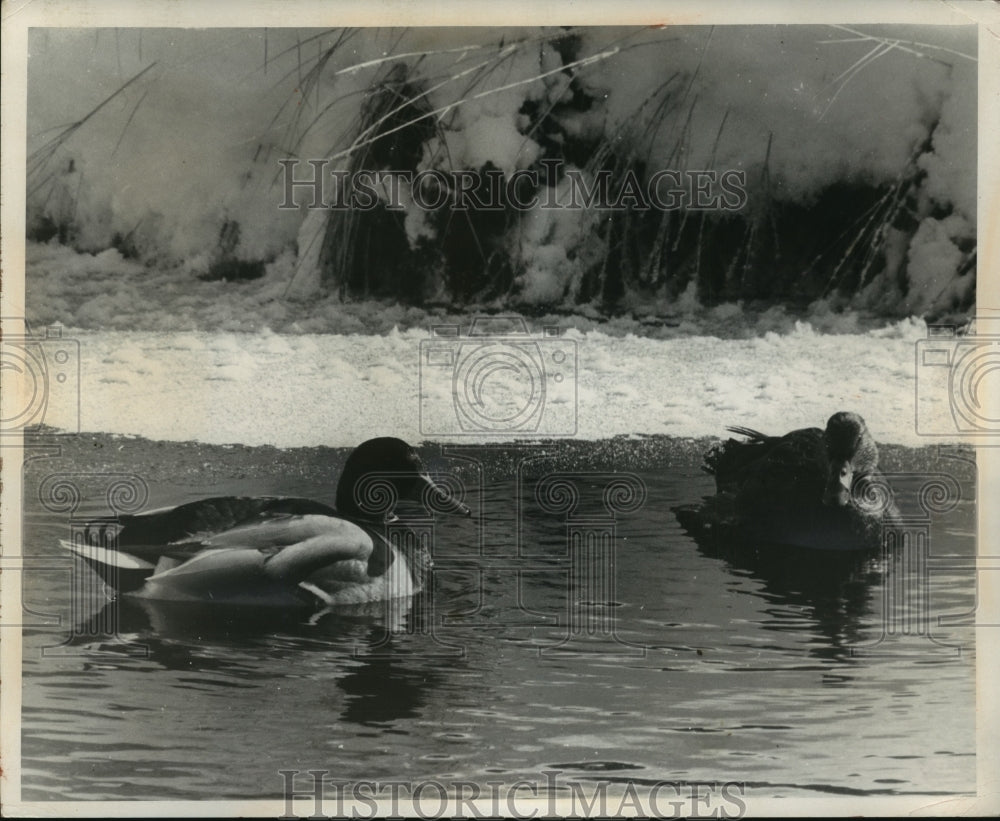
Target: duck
(273,551)
(811,487)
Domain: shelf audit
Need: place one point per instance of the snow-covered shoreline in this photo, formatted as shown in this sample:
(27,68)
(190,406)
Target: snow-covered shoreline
(106,292)
(336,390)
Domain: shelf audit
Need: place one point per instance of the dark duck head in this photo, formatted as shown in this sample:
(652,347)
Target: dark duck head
(382,471)
(851,455)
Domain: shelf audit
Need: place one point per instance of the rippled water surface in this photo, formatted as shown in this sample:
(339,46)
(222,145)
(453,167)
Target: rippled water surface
(653,659)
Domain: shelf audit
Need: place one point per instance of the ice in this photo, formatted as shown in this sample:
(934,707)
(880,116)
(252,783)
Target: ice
(337,390)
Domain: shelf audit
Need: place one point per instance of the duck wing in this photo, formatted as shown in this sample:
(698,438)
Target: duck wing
(205,518)
(765,460)
(730,460)
(266,561)
(175,535)
(291,547)
(786,473)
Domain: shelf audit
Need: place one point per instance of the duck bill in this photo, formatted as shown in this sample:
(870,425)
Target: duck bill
(441,499)
(838,485)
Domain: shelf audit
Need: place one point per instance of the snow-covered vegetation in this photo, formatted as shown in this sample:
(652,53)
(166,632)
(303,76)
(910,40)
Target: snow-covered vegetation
(155,154)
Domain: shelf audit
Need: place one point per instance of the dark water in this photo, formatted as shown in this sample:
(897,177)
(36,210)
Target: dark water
(649,658)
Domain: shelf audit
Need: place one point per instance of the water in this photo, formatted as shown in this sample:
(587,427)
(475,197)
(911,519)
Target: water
(678,662)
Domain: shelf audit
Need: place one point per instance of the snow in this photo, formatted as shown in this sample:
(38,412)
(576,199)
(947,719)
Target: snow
(193,147)
(106,292)
(195,142)
(337,390)
(933,258)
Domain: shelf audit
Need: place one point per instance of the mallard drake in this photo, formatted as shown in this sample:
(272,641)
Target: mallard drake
(271,550)
(809,488)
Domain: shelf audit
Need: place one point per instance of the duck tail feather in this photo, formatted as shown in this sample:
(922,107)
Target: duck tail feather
(750,433)
(729,460)
(119,570)
(94,554)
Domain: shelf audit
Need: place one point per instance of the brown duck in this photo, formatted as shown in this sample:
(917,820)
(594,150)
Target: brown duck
(810,488)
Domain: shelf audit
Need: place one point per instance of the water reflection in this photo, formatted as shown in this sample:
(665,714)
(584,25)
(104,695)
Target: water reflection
(379,676)
(741,643)
(830,591)
(383,688)
(851,599)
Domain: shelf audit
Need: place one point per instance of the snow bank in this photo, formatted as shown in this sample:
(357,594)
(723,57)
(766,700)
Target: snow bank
(337,390)
(193,145)
(106,292)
